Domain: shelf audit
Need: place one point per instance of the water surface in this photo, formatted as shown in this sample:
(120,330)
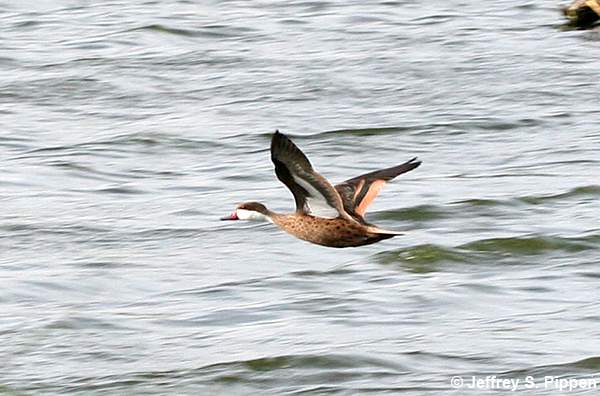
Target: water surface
(129,128)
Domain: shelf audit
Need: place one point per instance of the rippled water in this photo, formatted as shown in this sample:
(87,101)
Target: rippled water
(129,128)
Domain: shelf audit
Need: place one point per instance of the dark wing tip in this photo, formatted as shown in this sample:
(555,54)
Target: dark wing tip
(278,139)
(415,162)
(277,142)
(285,151)
(393,172)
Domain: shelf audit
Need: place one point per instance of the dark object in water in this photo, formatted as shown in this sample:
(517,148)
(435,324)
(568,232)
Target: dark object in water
(583,13)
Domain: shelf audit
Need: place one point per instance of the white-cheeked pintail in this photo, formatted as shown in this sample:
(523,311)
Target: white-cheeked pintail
(325,214)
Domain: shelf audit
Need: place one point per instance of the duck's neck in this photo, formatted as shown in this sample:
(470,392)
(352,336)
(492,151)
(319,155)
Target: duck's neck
(269,215)
(272,217)
(277,218)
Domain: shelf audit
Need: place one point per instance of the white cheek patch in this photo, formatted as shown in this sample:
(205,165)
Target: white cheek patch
(251,215)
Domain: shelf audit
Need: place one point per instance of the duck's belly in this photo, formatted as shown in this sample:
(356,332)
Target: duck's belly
(329,232)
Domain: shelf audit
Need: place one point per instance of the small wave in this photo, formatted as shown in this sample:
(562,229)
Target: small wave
(307,369)
(333,272)
(592,363)
(153,139)
(52,91)
(210,31)
(492,124)
(366,131)
(93,235)
(583,191)
(316,361)
(88,172)
(587,365)
(81,322)
(482,202)
(433,19)
(121,190)
(414,213)
(240,371)
(95,264)
(422,258)
(123,144)
(32,228)
(8,61)
(342,132)
(165,233)
(28,23)
(170,30)
(526,245)
(15,143)
(592,191)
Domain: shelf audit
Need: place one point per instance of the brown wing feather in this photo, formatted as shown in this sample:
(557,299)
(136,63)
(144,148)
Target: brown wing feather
(358,193)
(372,192)
(281,148)
(299,193)
(290,161)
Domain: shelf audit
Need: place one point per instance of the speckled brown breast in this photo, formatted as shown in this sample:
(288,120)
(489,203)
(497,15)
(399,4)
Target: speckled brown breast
(336,232)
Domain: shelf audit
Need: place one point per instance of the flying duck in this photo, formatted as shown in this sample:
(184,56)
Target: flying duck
(326,215)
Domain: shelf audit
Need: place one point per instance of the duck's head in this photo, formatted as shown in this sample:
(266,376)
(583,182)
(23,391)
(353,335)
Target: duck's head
(249,211)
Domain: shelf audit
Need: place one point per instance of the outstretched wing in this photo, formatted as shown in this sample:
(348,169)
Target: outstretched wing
(358,193)
(312,192)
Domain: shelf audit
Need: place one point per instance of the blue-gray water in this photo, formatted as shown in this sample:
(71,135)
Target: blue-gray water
(129,127)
